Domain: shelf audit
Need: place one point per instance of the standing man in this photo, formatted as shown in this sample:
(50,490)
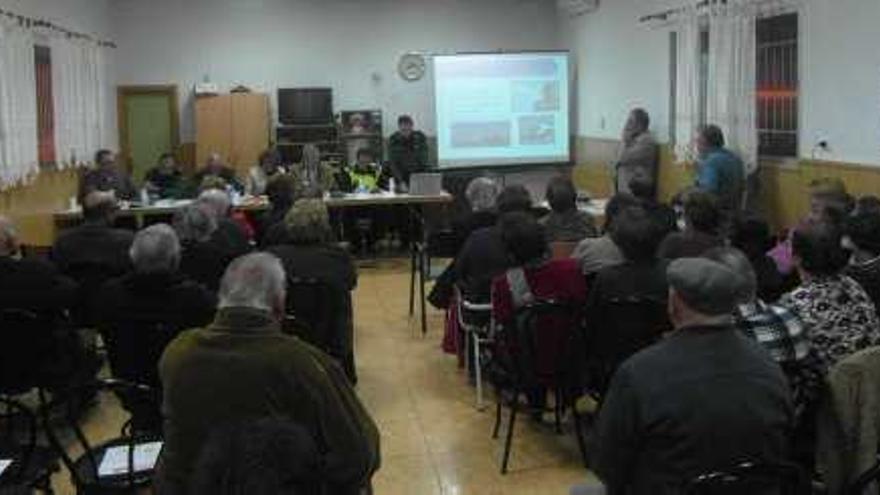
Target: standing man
(106,177)
(719,171)
(639,157)
(407,150)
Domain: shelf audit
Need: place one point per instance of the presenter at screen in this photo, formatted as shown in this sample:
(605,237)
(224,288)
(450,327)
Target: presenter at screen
(639,155)
(407,150)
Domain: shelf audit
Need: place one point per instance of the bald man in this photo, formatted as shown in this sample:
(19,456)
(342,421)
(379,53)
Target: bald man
(214,167)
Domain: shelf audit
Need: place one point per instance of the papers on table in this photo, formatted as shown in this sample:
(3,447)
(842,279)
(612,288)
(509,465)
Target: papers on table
(4,463)
(115,460)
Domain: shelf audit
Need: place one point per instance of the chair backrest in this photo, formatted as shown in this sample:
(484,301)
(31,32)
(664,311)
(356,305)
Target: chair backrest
(544,343)
(27,343)
(751,478)
(18,440)
(60,415)
(619,328)
(442,243)
(91,277)
(318,313)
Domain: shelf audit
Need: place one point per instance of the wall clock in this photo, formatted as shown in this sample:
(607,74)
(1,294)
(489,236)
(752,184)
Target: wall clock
(412,67)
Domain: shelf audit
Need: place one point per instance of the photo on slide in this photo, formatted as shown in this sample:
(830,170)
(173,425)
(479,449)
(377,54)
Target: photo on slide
(537,130)
(481,134)
(535,96)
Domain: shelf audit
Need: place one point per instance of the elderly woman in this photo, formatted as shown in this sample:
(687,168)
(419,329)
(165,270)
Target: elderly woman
(203,256)
(269,166)
(839,314)
(311,253)
(312,177)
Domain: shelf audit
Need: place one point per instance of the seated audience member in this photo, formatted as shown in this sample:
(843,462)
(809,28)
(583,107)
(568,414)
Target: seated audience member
(312,177)
(214,167)
(310,253)
(702,220)
(565,223)
(202,258)
(106,176)
(93,252)
(828,200)
(704,398)
(483,255)
(839,315)
(269,166)
(242,367)
(863,237)
(638,285)
(639,158)
(259,457)
(535,276)
(36,287)
(282,194)
(481,194)
(719,171)
(775,328)
(232,231)
(751,235)
(594,254)
(144,310)
(165,180)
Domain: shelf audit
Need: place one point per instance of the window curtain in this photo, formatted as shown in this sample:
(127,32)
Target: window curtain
(80,89)
(731,100)
(687,89)
(18,105)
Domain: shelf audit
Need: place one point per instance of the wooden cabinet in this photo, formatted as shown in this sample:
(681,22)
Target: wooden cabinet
(234,125)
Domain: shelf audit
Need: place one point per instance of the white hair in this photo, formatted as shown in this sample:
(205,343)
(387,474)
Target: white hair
(155,249)
(254,281)
(194,224)
(481,193)
(217,201)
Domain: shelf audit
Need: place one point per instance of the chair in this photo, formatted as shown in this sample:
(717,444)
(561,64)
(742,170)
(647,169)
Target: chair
(31,465)
(439,244)
(475,319)
(540,351)
(28,342)
(84,469)
(751,478)
(91,277)
(618,328)
(321,314)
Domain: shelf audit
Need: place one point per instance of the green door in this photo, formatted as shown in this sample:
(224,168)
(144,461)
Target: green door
(148,120)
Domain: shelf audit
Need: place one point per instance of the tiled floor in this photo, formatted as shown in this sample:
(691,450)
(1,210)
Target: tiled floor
(434,440)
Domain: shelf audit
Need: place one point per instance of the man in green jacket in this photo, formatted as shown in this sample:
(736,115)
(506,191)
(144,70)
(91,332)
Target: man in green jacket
(242,367)
(407,150)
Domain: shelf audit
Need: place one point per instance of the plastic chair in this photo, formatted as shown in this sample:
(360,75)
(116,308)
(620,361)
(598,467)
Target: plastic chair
(321,314)
(475,319)
(32,465)
(84,469)
(541,351)
(752,478)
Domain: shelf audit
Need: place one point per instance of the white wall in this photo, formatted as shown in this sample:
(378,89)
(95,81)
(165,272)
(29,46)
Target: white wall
(350,45)
(85,16)
(622,63)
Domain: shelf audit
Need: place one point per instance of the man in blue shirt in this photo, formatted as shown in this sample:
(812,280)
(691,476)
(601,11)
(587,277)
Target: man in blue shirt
(719,171)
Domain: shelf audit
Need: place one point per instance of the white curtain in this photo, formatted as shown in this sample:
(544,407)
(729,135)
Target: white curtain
(731,99)
(79,79)
(18,105)
(687,89)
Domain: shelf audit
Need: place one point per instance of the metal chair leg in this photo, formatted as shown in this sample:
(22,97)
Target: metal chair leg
(511,424)
(579,431)
(422,294)
(412,280)
(478,372)
(557,410)
(497,426)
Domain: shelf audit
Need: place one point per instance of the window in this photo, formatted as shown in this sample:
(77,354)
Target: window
(45,106)
(777,85)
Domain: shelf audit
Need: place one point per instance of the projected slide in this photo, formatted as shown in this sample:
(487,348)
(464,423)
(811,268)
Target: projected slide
(495,109)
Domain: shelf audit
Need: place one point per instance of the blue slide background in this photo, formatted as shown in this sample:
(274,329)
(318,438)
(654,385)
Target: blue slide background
(502,109)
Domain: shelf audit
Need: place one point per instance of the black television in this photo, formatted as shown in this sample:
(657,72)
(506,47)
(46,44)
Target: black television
(305,106)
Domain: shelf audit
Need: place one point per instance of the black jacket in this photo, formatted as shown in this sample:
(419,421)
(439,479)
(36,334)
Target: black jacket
(482,257)
(703,399)
(93,244)
(35,286)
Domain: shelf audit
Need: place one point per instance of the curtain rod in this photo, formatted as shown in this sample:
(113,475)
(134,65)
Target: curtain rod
(662,16)
(31,22)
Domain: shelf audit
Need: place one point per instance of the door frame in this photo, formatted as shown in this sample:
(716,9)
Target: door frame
(123,92)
